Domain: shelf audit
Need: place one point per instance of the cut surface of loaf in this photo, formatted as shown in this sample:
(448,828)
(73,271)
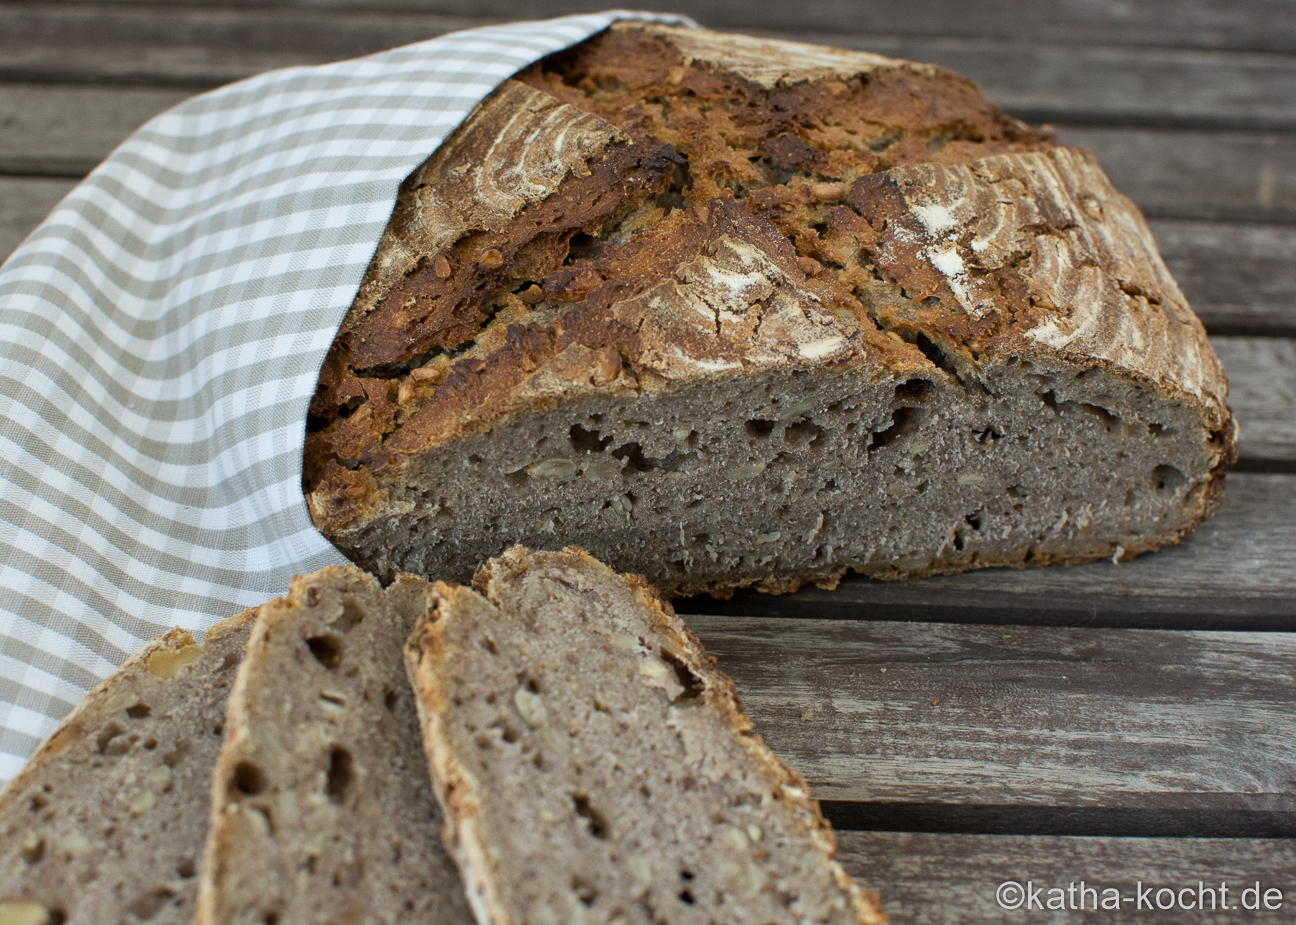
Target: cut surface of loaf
(596,766)
(321,806)
(736,312)
(108,820)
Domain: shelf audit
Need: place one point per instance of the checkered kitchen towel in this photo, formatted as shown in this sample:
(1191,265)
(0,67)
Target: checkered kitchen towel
(160,338)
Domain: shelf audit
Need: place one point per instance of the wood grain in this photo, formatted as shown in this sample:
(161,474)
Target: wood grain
(65,131)
(1248,24)
(202,46)
(1185,174)
(197,47)
(23,204)
(1239,278)
(951,879)
(1262,394)
(1137,726)
(1237,571)
(1105,85)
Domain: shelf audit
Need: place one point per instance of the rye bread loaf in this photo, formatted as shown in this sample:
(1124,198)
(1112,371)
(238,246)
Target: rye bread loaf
(107,822)
(738,312)
(320,801)
(595,765)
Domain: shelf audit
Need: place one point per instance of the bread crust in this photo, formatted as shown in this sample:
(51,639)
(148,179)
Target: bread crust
(1007,248)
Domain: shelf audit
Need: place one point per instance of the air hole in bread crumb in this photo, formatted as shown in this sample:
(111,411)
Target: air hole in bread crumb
(139,711)
(758,429)
(352,614)
(341,774)
(186,868)
(249,779)
(805,431)
(106,735)
(585,891)
(686,897)
(150,904)
(390,699)
(327,650)
(904,421)
(489,645)
(32,853)
(587,441)
(597,824)
(57,917)
(1168,479)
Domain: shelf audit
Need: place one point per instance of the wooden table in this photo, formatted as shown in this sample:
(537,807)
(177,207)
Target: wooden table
(1106,723)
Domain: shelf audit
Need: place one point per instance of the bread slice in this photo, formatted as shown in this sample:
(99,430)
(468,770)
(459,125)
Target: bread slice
(321,807)
(108,820)
(735,312)
(595,766)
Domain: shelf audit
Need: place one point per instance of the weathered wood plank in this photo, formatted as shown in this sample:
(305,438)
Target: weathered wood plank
(952,879)
(923,722)
(195,47)
(1240,279)
(1102,84)
(1251,24)
(1237,571)
(1184,174)
(65,131)
(1262,393)
(23,204)
(202,46)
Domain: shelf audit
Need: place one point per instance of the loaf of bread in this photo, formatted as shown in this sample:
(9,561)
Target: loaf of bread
(321,806)
(108,820)
(595,766)
(736,312)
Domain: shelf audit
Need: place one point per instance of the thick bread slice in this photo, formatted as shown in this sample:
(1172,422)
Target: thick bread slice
(758,313)
(321,809)
(107,822)
(595,766)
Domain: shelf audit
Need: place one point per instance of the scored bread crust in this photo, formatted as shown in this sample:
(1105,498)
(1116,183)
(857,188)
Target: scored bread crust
(134,757)
(953,264)
(429,659)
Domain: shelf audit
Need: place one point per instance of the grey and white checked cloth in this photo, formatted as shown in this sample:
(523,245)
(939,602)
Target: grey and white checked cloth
(160,338)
